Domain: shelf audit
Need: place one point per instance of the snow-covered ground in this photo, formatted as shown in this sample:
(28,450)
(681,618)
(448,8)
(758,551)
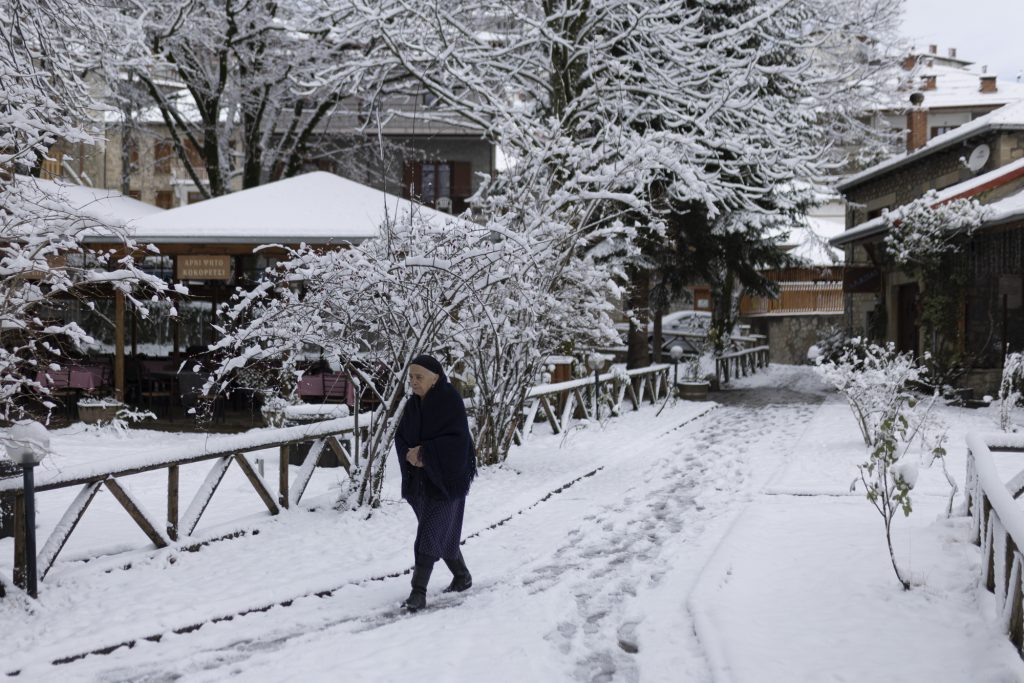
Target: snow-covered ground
(707,543)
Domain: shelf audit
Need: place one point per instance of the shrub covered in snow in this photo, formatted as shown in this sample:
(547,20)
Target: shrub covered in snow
(876,381)
(1011,389)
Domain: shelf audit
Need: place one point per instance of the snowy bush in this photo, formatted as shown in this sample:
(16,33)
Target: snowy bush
(876,382)
(922,231)
(43,260)
(1010,389)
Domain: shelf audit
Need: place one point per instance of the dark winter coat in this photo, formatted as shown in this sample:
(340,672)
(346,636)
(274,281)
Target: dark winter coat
(438,424)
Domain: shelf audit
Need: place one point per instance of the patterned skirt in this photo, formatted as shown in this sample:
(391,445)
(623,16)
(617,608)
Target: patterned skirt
(439,526)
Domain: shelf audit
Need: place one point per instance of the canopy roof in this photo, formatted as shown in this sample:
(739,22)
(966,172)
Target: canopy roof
(314,208)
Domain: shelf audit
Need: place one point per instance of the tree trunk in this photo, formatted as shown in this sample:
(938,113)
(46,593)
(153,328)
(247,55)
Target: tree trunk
(657,343)
(638,353)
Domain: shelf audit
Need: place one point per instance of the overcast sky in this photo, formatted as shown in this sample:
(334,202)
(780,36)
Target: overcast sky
(982,31)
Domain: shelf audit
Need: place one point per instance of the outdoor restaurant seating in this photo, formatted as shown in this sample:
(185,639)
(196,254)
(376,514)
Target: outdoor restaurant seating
(327,387)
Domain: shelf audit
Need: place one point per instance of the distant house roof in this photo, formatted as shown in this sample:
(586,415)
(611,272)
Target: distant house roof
(959,87)
(1003,210)
(105,207)
(314,208)
(1009,117)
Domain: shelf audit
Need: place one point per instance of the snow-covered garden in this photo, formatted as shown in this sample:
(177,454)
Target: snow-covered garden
(647,146)
(710,542)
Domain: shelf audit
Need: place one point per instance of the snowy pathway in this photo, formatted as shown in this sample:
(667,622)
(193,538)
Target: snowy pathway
(591,584)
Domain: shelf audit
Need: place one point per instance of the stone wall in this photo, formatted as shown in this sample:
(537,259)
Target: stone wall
(790,336)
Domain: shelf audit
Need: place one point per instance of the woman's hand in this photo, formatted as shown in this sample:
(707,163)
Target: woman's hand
(413,457)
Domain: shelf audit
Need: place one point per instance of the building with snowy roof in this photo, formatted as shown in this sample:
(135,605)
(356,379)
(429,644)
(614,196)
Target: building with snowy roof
(955,91)
(981,160)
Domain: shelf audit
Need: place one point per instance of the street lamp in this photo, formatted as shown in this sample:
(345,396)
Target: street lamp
(27,444)
(595,362)
(676,352)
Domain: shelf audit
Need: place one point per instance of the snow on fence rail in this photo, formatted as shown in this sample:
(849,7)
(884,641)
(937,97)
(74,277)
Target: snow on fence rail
(998,526)
(222,450)
(337,435)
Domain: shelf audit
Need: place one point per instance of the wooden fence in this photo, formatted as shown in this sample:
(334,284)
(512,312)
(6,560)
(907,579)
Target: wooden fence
(573,400)
(796,297)
(327,435)
(997,525)
(739,362)
(560,404)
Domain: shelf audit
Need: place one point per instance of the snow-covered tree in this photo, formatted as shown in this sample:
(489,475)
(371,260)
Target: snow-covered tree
(1011,389)
(45,47)
(645,110)
(238,85)
(925,240)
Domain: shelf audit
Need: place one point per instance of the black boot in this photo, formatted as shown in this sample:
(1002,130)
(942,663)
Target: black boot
(461,578)
(420,578)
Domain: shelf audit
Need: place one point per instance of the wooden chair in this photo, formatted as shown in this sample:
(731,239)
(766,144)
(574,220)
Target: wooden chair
(153,391)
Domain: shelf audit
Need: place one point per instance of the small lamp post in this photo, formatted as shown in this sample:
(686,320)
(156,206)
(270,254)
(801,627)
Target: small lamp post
(27,444)
(595,362)
(676,352)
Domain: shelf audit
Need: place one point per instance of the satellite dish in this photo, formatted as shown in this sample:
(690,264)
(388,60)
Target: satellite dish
(979,157)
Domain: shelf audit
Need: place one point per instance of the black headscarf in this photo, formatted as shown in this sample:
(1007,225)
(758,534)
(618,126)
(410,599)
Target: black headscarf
(438,424)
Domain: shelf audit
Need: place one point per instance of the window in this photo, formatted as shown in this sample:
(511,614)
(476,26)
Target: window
(939,130)
(162,153)
(164,199)
(254,267)
(135,194)
(429,181)
(195,197)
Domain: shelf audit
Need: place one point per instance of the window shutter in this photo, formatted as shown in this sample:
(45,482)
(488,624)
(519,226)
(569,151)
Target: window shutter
(462,178)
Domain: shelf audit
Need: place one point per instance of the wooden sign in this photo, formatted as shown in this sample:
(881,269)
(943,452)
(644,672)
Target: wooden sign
(204,267)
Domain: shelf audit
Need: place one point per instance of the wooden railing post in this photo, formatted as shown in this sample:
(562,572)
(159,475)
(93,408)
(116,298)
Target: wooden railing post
(282,487)
(172,502)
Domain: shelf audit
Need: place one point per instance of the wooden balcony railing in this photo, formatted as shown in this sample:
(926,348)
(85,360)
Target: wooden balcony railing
(797,297)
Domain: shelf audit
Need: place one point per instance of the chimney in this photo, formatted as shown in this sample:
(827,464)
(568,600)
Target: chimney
(952,53)
(988,84)
(933,49)
(917,123)
(909,62)
(928,82)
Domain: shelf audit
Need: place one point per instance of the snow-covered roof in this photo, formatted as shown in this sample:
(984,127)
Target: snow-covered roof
(1010,116)
(960,87)
(107,207)
(1002,210)
(315,208)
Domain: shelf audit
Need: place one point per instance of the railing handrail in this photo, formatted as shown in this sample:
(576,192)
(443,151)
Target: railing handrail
(216,447)
(993,486)
(743,352)
(545,389)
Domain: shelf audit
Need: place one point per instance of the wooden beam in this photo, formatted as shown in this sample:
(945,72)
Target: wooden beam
(119,346)
(172,502)
(257,483)
(68,522)
(340,453)
(202,498)
(133,509)
(282,482)
(305,472)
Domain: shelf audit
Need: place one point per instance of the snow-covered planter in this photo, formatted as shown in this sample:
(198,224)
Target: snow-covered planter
(693,390)
(98,410)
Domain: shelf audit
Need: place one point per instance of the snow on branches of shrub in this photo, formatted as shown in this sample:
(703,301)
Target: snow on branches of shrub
(876,381)
(924,229)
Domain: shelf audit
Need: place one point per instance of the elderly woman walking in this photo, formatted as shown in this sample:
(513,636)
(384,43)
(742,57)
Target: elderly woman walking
(438,463)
